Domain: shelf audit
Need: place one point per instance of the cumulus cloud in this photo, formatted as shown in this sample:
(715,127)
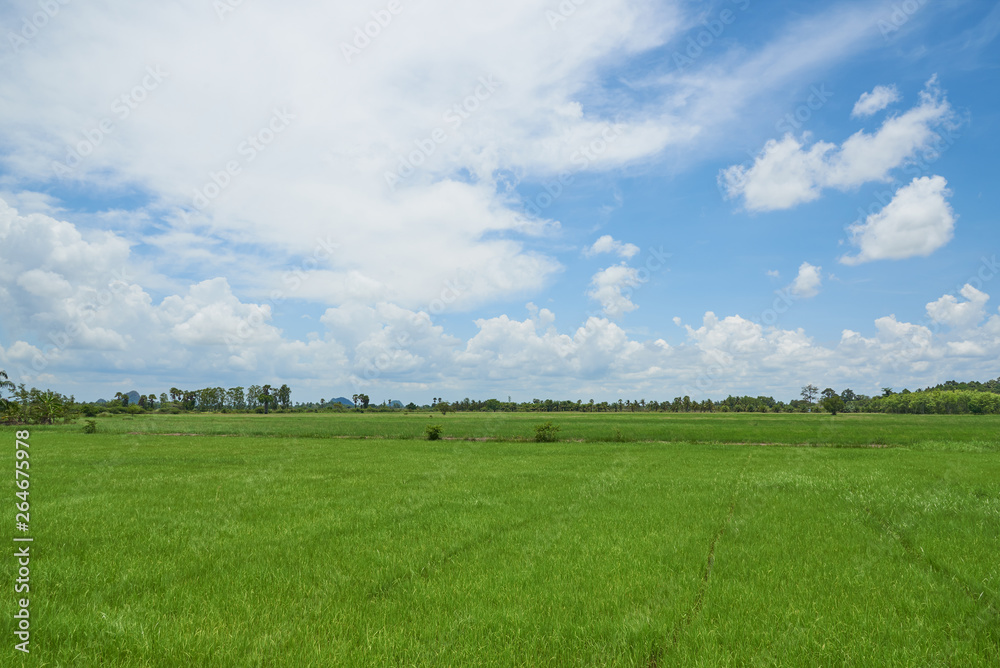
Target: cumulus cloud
(503,348)
(608,244)
(960,315)
(283,162)
(875,101)
(310,217)
(211,336)
(611,287)
(787,172)
(917,222)
(808,281)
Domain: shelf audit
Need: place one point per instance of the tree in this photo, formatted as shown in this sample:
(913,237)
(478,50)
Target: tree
(809,393)
(848,395)
(833,404)
(48,405)
(265,397)
(887,392)
(5,384)
(235,398)
(285,396)
(253,396)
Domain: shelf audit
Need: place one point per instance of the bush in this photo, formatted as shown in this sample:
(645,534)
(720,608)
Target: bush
(546,433)
(433,432)
(90,427)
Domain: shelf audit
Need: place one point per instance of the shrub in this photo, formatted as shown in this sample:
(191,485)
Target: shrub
(546,433)
(90,427)
(433,432)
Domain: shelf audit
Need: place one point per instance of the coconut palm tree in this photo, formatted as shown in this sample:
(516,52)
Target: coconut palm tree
(5,384)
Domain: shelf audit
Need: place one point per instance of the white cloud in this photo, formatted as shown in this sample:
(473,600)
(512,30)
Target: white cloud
(808,281)
(875,101)
(324,173)
(773,273)
(544,113)
(782,176)
(786,173)
(611,287)
(599,349)
(917,222)
(960,315)
(207,335)
(323,228)
(608,244)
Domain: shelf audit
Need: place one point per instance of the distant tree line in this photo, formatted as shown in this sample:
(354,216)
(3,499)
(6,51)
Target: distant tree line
(20,405)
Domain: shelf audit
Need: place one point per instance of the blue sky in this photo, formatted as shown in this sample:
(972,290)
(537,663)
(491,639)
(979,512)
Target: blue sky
(627,199)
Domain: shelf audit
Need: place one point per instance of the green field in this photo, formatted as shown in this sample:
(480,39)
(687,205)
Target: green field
(636,540)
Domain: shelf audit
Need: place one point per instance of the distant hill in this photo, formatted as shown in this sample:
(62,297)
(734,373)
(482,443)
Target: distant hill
(395,404)
(133,398)
(342,400)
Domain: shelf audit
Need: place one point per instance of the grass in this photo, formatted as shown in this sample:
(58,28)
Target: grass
(315,541)
(819,429)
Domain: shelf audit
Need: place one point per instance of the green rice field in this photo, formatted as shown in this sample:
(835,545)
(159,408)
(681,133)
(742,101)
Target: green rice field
(634,540)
